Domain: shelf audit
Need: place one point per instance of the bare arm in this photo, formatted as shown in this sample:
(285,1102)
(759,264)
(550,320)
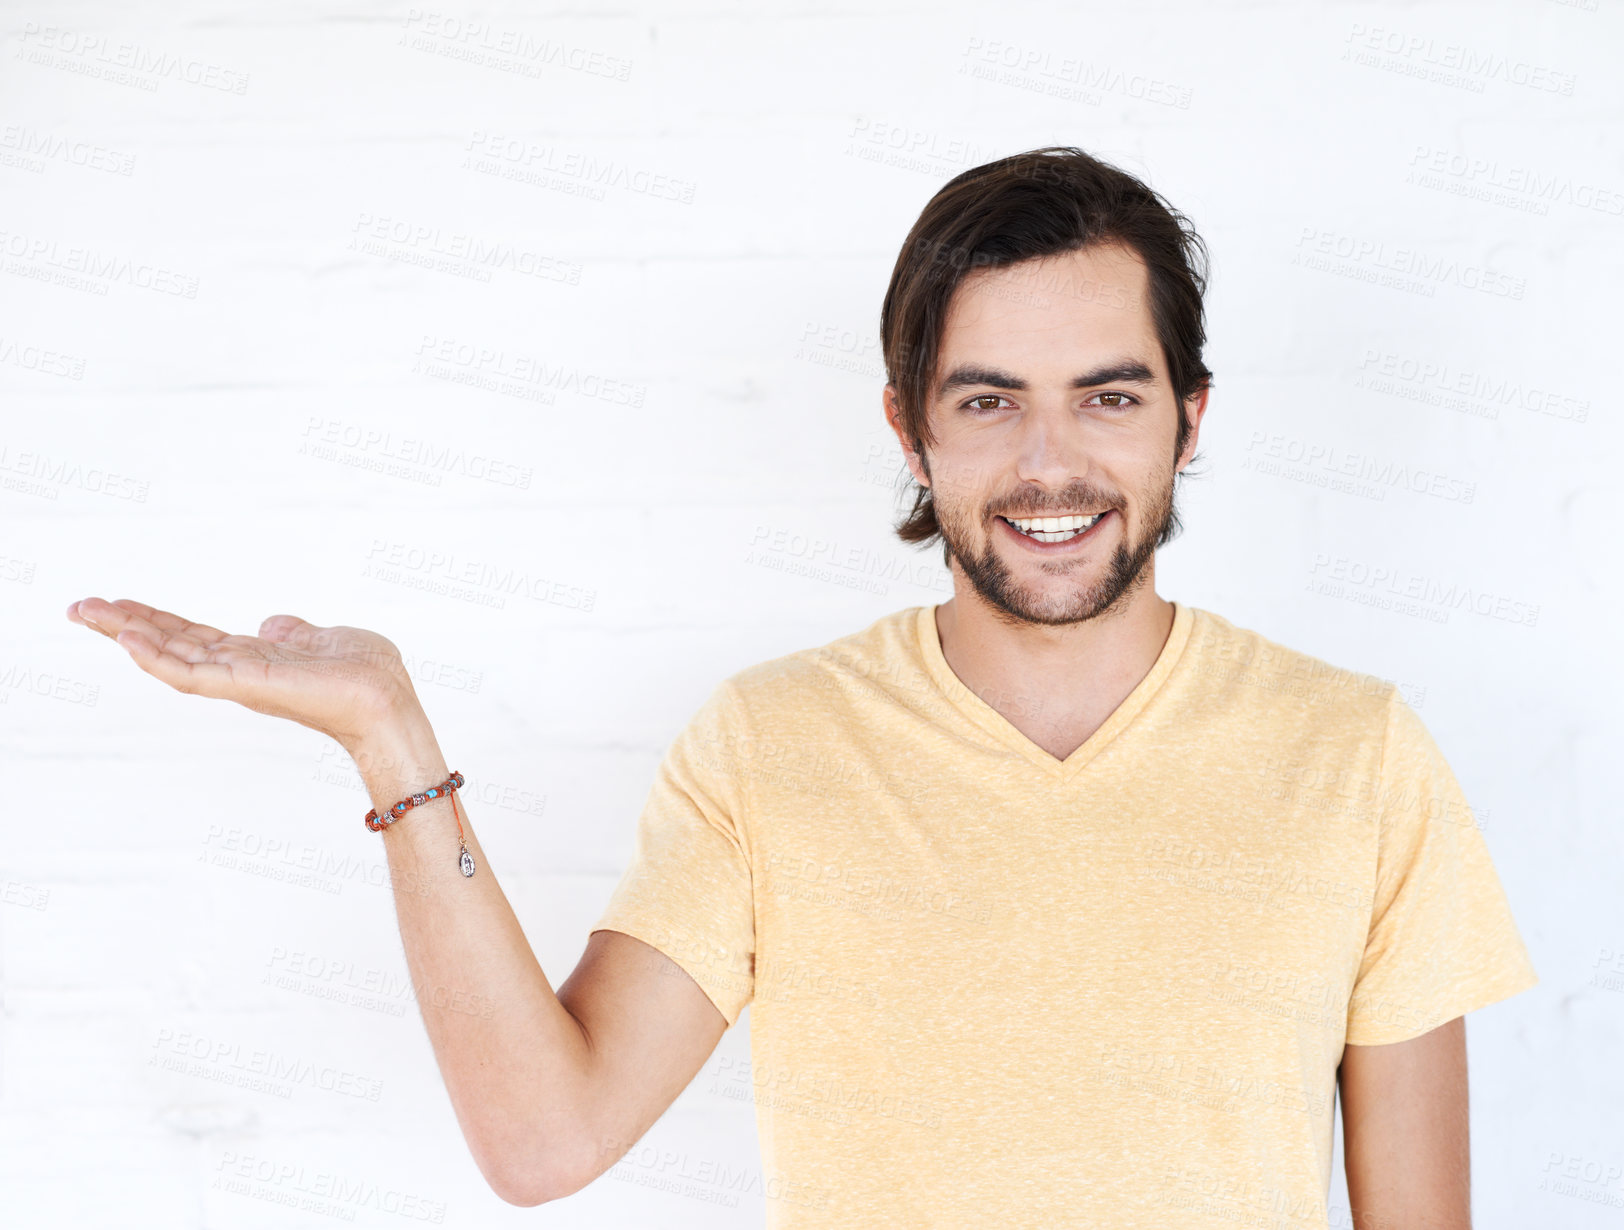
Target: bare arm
(549,1089)
(1404,1129)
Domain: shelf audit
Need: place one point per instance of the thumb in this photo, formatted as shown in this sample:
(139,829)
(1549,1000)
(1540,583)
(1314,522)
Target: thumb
(278,628)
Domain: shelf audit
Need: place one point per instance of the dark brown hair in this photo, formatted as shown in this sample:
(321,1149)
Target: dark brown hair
(1043,202)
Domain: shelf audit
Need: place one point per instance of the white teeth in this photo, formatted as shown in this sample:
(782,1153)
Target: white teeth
(1051,525)
(1053,529)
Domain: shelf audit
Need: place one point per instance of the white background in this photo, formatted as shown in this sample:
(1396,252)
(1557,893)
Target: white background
(685,216)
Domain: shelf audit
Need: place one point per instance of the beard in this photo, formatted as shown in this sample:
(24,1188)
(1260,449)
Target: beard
(1014,602)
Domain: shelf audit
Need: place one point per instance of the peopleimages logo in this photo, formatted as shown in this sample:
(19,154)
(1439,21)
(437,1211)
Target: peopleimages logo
(95,55)
(1401,583)
(49,257)
(272,1072)
(1463,389)
(314,1190)
(1372,260)
(1418,55)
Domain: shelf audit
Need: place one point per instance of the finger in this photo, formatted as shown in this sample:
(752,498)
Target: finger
(194,678)
(178,644)
(80,617)
(112,618)
(168,621)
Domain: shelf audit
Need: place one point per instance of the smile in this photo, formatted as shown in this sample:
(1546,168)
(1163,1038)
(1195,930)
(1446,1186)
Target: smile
(1053,530)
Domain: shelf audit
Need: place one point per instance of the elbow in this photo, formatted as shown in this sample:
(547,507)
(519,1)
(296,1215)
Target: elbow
(527,1182)
(522,1197)
(524,1187)
(515,1180)
(530,1160)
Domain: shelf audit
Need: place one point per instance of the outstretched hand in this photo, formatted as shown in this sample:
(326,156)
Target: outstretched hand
(340,681)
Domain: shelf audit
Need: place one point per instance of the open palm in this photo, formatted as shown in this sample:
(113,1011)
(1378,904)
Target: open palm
(339,680)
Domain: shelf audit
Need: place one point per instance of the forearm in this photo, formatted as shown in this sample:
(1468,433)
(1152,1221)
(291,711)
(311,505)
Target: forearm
(513,1059)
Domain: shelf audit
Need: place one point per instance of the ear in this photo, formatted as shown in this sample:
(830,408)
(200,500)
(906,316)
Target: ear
(1194,409)
(893,416)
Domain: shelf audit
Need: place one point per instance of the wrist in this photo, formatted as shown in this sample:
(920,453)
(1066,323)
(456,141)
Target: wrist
(399,757)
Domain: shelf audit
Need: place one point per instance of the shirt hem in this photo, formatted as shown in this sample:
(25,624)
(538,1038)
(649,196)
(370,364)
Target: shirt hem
(657,938)
(1478,995)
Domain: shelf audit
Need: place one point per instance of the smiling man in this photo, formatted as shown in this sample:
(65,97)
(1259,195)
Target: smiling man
(1056,904)
(1060,903)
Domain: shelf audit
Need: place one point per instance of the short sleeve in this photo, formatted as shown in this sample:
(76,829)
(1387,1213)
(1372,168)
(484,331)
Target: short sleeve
(687,890)
(1442,940)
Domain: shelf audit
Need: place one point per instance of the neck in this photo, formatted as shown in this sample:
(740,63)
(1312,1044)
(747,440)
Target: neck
(1072,677)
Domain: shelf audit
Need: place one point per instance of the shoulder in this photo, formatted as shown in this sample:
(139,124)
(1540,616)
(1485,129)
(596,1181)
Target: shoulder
(1244,668)
(882,656)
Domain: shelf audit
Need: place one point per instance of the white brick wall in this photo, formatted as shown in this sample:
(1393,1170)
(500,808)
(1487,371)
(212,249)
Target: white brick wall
(277,197)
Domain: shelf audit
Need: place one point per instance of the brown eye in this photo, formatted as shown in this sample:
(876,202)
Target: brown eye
(975,402)
(1116,405)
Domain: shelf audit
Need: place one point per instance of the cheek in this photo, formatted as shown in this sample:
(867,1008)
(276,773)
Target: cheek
(960,477)
(1136,462)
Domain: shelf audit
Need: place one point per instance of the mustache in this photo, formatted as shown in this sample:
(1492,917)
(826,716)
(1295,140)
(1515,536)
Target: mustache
(1085,507)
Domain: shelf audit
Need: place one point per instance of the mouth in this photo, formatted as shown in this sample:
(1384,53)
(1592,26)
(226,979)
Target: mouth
(1051,533)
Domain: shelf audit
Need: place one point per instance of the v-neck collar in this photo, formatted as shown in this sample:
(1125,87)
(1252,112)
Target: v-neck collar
(997,725)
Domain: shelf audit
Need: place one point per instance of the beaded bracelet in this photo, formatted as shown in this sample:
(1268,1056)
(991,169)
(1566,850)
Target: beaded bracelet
(378,823)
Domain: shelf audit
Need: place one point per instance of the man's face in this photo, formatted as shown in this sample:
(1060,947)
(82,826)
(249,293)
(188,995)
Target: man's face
(1051,399)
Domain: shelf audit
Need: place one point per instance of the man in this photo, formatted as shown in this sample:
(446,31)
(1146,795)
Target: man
(1059,904)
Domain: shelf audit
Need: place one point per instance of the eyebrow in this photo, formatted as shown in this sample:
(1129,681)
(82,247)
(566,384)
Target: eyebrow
(974,375)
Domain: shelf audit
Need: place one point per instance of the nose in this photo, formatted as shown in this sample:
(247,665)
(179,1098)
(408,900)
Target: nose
(1051,450)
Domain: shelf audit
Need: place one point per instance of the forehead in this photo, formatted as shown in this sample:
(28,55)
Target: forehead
(1046,312)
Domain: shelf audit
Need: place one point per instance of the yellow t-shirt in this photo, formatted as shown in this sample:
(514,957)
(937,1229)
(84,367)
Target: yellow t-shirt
(991,987)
